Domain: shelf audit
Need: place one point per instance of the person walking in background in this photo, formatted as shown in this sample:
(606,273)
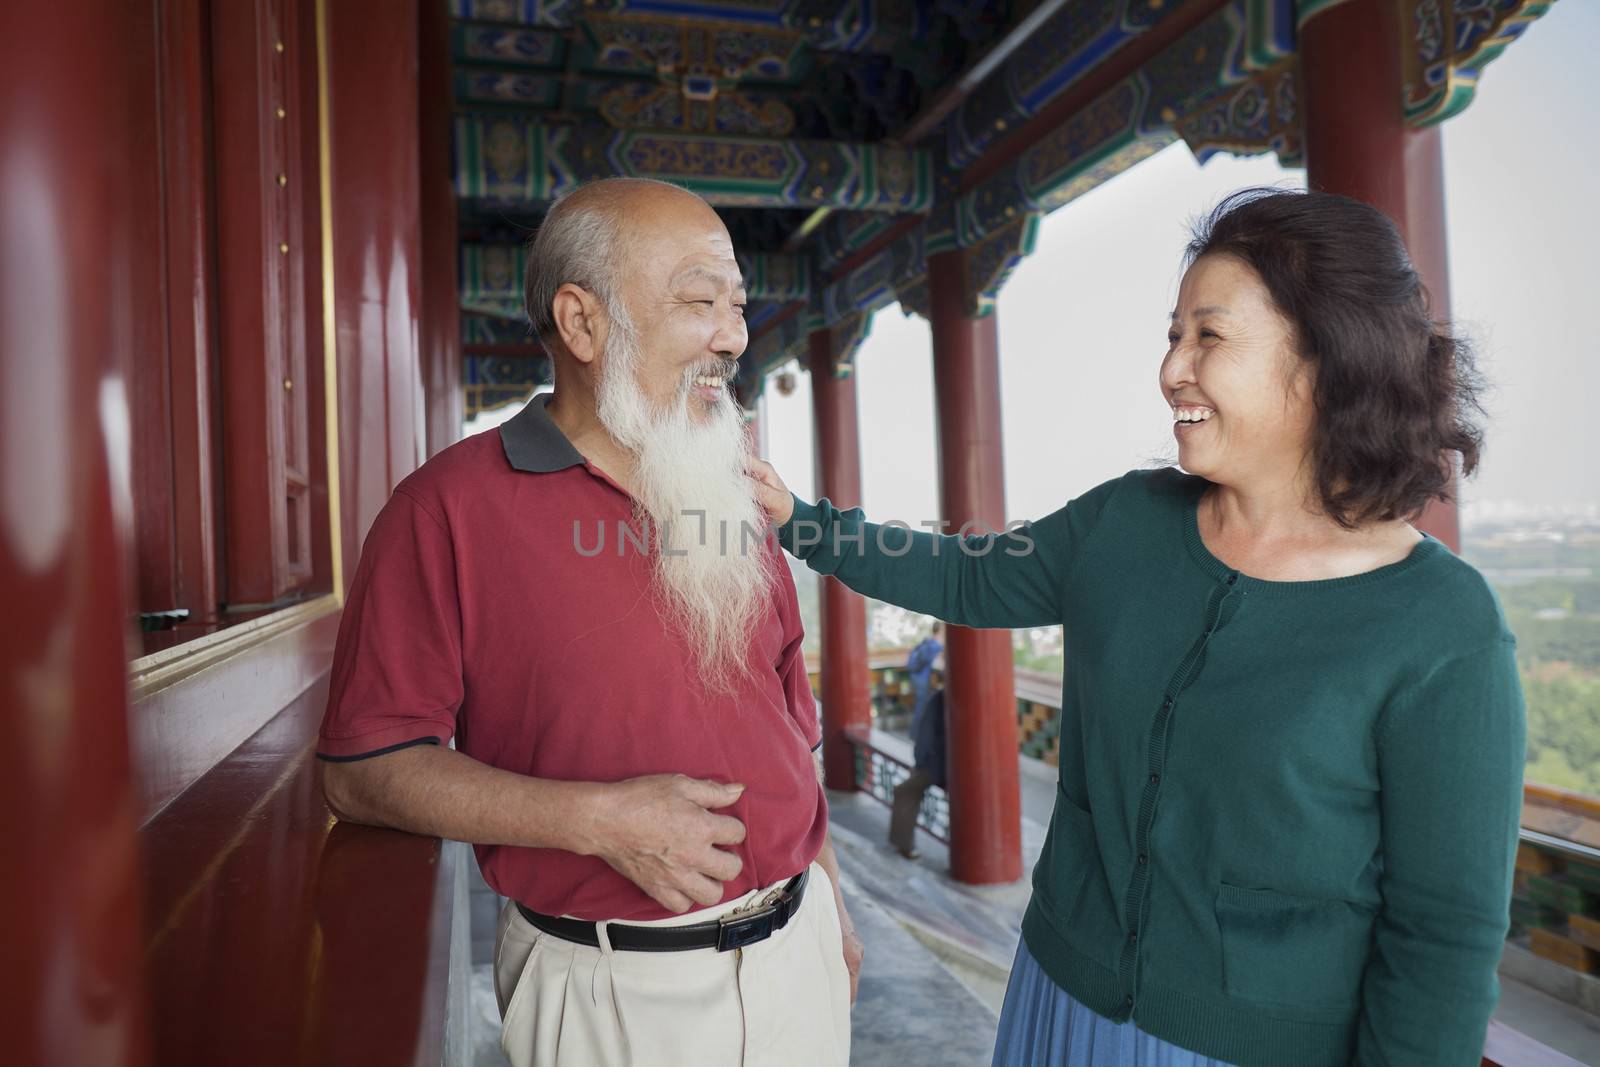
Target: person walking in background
(919,665)
(928,754)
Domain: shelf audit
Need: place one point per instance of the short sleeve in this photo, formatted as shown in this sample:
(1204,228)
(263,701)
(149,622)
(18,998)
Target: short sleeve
(397,678)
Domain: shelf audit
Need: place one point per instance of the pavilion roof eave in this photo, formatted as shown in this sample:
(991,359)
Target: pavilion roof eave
(1122,63)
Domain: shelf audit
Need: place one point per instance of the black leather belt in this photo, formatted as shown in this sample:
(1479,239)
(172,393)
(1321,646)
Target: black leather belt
(734,930)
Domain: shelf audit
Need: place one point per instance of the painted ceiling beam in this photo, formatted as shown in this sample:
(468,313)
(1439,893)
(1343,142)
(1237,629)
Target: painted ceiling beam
(859,26)
(952,95)
(517,158)
(1120,65)
(882,238)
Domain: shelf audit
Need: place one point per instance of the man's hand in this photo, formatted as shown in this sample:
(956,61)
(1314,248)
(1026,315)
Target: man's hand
(660,834)
(771,493)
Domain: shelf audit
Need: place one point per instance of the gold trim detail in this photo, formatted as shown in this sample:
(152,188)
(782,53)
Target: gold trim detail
(330,317)
(157,671)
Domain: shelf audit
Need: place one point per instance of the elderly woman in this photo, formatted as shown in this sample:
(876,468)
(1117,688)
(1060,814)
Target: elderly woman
(1291,724)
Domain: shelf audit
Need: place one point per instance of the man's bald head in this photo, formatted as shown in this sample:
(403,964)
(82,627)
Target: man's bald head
(590,233)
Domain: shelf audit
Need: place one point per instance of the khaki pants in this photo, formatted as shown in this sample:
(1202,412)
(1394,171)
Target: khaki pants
(903,812)
(782,1002)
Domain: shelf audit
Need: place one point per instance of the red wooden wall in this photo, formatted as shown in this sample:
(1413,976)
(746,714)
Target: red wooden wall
(71,990)
(197,199)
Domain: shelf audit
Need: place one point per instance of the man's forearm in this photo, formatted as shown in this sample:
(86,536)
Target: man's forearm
(830,863)
(429,789)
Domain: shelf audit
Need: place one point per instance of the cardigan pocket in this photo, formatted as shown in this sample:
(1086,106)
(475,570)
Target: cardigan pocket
(1292,952)
(1063,866)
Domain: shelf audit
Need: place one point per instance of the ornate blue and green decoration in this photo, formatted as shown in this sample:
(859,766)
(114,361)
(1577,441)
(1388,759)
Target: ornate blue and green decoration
(480,330)
(491,279)
(490,382)
(790,116)
(1449,44)
(505,158)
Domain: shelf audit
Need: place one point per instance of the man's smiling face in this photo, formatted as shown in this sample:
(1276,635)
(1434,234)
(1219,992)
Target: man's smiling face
(680,285)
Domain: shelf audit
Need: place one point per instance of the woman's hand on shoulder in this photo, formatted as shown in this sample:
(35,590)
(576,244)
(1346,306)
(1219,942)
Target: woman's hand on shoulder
(771,493)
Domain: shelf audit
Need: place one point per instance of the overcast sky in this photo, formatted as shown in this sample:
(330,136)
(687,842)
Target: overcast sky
(1083,320)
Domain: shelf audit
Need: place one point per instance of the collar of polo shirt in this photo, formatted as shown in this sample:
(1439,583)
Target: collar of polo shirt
(534,443)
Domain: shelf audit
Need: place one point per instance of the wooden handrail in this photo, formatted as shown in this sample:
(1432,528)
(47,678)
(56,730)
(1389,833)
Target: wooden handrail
(1567,800)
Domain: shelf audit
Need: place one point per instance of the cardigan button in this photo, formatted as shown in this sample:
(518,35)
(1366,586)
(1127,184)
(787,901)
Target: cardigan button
(1143,859)
(1127,1002)
(1167,703)
(1155,779)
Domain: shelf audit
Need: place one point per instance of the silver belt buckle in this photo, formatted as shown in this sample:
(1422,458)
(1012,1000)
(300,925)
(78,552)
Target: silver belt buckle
(741,928)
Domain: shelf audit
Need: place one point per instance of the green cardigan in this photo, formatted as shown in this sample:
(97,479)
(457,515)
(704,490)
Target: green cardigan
(1287,811)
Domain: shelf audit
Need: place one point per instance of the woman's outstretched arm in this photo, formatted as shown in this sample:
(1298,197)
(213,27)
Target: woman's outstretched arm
(1008,579)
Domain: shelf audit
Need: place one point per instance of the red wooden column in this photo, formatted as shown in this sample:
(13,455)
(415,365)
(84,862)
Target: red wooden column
(1358,144)
(375,171)
(980,694)
(441,295)
(71,991)
(846,685)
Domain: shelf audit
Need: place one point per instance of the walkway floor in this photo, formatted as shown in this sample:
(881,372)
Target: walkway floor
(938,952)
(971,932)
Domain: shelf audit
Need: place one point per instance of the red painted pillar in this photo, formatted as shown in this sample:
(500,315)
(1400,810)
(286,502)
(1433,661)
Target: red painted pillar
(375,171)
(846,685)
(71,990)
(980,693)
(1358,144)
(441,295)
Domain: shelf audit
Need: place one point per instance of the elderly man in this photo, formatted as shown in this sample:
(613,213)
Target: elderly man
(587,602)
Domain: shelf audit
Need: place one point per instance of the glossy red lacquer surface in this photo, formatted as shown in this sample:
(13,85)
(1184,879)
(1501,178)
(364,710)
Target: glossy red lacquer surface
(846,683)
(985,813)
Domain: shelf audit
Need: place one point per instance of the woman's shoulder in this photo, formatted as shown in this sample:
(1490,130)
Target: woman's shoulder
(1458,592)
(1135,495)
(1157,488)
(1137,500)
(1167,481)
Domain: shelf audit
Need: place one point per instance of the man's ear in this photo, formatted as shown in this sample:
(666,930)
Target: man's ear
(577,319)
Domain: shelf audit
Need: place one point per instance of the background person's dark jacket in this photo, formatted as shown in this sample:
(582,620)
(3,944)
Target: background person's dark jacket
(927,737)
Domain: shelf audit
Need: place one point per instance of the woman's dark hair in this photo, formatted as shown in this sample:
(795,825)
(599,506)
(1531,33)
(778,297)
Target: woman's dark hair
(1395,392)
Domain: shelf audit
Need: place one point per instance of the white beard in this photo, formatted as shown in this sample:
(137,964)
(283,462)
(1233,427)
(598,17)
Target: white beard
(711,573)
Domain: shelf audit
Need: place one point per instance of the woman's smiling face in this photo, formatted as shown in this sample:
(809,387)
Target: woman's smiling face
(1239,392)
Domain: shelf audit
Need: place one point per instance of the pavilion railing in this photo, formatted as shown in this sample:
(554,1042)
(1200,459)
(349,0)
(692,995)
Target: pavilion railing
(883,761)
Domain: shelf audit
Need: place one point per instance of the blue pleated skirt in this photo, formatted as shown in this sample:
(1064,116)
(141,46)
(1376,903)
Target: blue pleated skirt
(1041,1025)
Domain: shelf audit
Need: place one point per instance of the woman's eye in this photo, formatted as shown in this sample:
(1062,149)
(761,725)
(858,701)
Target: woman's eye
(1172,339)
(1207,333)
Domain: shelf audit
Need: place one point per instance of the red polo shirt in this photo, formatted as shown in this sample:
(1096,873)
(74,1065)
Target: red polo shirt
(474,613)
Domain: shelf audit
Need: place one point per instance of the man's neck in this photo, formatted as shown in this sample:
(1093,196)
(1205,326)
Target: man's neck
(578,420)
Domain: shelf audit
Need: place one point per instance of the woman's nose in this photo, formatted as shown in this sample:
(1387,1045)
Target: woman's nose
(1177,368)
